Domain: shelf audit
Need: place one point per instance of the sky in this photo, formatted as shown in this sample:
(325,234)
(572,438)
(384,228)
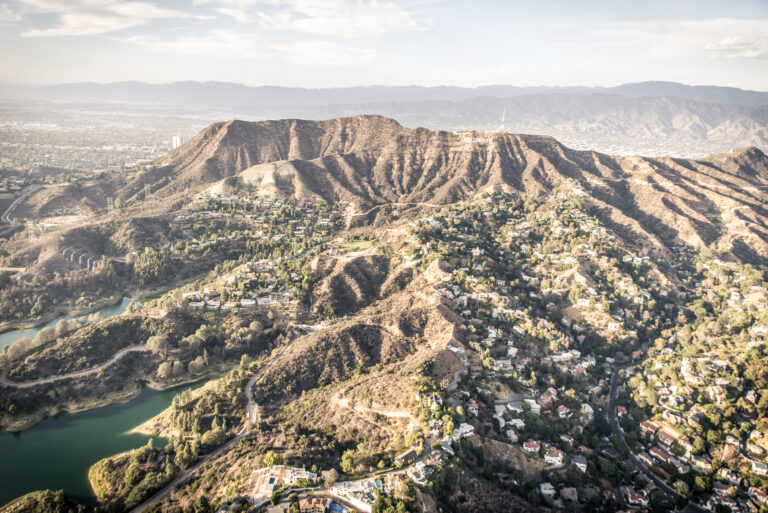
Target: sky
(339,43)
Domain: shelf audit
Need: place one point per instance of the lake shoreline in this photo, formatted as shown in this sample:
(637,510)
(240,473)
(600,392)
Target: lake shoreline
(58,453)
(29,421)
(63,311)
(147,427)
(121,397)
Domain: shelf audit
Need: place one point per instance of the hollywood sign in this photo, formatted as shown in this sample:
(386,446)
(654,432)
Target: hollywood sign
(480,140)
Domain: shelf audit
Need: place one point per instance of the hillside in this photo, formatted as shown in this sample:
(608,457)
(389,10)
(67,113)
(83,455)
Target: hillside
(368,161)
(438,320)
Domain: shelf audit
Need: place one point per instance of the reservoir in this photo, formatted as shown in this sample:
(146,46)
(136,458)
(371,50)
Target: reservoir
(9,337)
(57,453)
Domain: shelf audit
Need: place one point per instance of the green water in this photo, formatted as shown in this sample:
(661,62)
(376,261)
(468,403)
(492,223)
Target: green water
(57,453)
(9,337)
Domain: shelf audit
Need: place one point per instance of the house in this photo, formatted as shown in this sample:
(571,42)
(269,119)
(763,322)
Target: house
(547,490)
(660,454)
(554,457)
(580,462)
(726,503)
(532,446)
(645,458)
(634,498)
(755,449)
(446,445)
(313,505)
(759,495)
(621,410)
(406,456)
(545,400)
(563,411)
(759,468)
(648,427)
(462,431)
(535,407)
(569,494)
(729,476)
(473,407)
(716,394)
(269,479)
(701,463)
(666,437)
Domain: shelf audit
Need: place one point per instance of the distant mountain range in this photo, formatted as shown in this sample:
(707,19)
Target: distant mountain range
(225,94)
(649,118)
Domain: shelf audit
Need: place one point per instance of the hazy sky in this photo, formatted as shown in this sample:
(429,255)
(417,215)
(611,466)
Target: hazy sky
(325,43)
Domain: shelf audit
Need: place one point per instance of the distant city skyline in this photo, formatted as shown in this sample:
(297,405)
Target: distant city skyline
(340,43)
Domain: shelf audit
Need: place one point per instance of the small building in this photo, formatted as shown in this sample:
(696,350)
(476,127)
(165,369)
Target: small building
(406,456)
(634,498)
(313,505)
(759,468)
(580,462)
(464,430)
(547,490)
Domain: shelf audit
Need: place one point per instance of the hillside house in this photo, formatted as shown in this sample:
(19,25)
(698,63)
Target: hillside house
(532,446)
(580,462)
(546,489)
(554,456)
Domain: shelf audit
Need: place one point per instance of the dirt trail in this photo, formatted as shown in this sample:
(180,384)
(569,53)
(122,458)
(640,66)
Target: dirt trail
(44,381)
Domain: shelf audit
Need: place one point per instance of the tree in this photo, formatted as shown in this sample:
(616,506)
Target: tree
(201,505)
(152,265)
(683,490)
(45,335)
(164,370)
(272,458)
(37,307)
(133,475)
(159,344)
(330,477)
(348,463)
(197,365)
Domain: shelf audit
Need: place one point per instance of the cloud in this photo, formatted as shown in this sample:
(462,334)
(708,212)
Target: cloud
(337,18)
(707,38)
(221,43)
(90,17)
(323,53)
(753,46)
(9,13)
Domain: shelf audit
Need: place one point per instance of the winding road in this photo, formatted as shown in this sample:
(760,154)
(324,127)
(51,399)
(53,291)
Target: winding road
(639,465)
(252,420)
(45,381)
(6,217)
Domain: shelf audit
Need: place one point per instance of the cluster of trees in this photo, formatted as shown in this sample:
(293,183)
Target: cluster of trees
(152,266)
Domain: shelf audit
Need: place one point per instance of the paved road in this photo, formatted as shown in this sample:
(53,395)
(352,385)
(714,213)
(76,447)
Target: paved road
(252,419)
(45,381)
(639,465)
(6,217)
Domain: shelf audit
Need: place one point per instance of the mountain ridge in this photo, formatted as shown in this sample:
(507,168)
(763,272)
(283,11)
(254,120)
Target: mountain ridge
(371,161)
